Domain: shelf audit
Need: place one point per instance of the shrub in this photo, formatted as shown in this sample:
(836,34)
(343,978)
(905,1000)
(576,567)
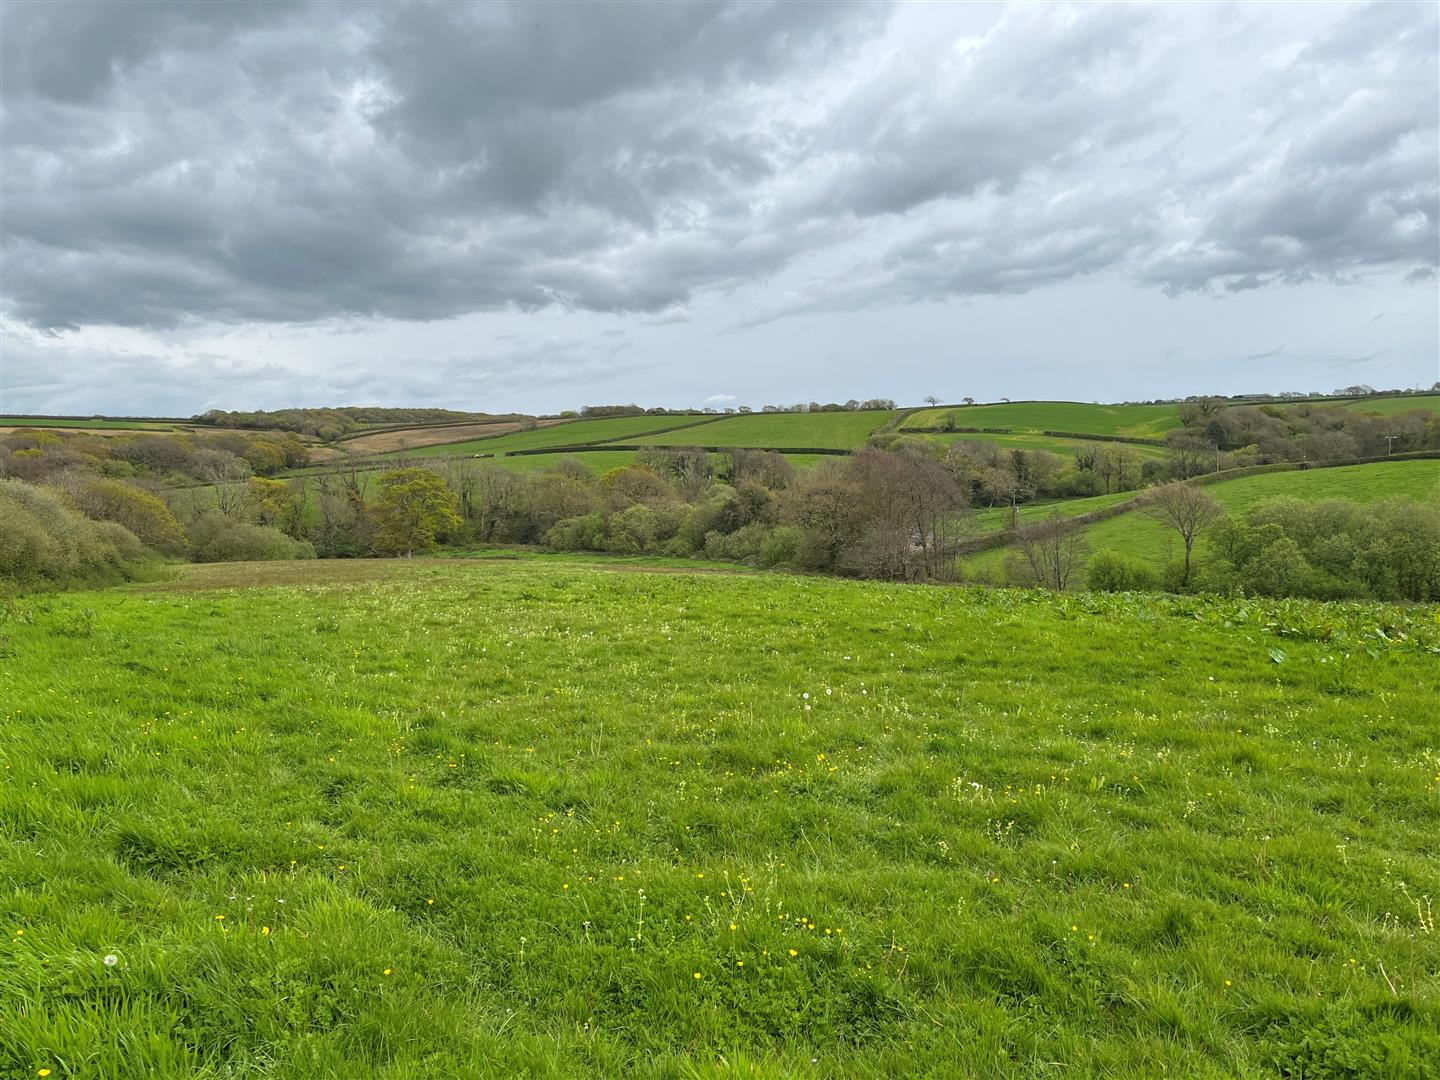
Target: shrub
(216,538)
(46,542)
(142,513)
(1109,571)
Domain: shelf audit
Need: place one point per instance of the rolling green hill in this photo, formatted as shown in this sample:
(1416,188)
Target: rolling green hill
(826,430)
(1134,421)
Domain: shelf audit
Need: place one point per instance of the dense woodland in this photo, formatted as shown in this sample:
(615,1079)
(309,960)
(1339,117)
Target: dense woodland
(76,507)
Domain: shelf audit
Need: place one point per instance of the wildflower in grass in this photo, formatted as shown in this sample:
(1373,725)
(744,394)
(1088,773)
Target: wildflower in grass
(793,952)
(110,960)
(219,918)
(385,972)
(265,931)
(42,1072)
(698,975)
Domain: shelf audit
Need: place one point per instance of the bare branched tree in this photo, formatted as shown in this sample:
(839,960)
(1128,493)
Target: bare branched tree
(1054,550)
(1187,510)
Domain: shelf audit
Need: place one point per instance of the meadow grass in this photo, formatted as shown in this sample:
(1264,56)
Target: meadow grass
(1136,421)
(541,818)
(827,430)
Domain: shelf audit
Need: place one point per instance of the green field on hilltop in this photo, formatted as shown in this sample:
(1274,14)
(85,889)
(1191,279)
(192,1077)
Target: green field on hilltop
(529,817)
(1389,406)
(1133,421)
(90,424)
(574,433)
(826,430)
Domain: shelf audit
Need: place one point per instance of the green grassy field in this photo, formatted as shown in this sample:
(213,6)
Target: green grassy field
(90,424)
(832,430)
(1136,421)
(994,518)
(1135,534)
(1142,537)
(503,818)
(1064,447)
(1389,406)
(575,433)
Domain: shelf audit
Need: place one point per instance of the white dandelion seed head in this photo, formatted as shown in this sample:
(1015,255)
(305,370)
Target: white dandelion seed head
(110,960)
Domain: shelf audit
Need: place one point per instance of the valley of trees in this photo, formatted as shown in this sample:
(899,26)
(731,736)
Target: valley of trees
(80,506)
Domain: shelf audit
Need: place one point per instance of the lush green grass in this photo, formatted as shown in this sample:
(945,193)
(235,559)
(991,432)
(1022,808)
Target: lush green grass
(517,818)
(1389,406)
(1064,447)
(1136,534)
(66,425)
(830,430)
(1136,421)
(994,518)
(576,433)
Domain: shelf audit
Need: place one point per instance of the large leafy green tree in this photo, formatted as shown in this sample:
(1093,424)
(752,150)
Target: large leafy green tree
(416,506)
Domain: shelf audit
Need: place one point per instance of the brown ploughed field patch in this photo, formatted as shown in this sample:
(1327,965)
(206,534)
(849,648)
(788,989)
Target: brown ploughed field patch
(412,438)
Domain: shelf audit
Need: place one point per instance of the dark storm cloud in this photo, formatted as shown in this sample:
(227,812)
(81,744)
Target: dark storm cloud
(167,164)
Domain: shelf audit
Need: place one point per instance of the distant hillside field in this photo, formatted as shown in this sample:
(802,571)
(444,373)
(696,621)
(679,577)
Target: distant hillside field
(1136,534)
(412,438)
(1049,443)
(570,433)
(825,430)
(1134,421)
(1401,403)
(7,422)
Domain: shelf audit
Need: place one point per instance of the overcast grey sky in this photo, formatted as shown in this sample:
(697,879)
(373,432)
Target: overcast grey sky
(538,206)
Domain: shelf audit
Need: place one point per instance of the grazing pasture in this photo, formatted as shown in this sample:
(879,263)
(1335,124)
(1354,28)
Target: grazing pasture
(1064,447)
(1401,403)
(500,818)
(778,431)
(1134,421)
